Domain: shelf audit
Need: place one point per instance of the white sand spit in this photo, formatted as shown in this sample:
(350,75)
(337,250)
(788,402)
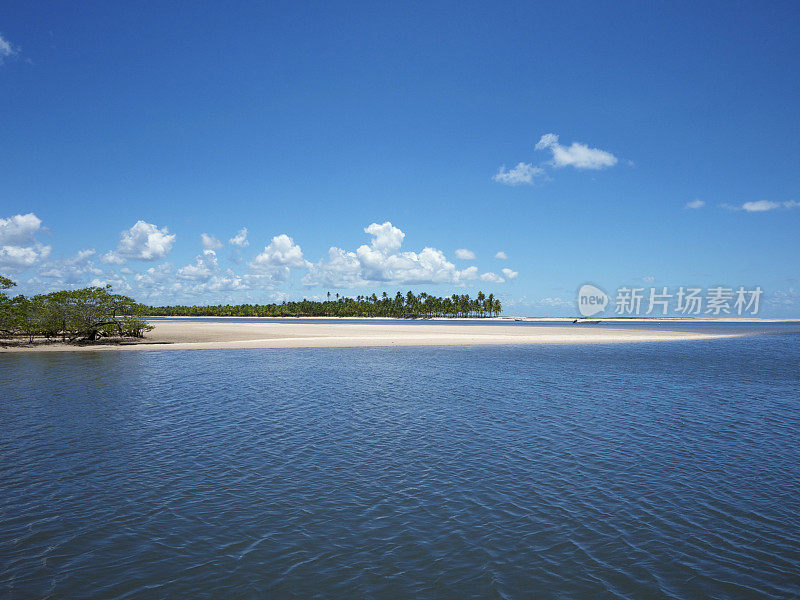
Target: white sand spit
(193,335)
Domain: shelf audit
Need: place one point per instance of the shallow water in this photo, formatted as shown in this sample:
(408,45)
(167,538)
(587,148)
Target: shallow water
(622,471)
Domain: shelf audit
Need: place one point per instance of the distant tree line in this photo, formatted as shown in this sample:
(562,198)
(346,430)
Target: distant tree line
(409,306)
(86,314)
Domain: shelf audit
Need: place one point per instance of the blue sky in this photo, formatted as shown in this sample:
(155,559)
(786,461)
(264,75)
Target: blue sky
(127,132)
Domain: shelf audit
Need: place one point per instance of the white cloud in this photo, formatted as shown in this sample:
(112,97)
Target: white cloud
(648,278)
(78,270)
(548,140)
(388,238)
(201,279)
(382,262)
(6,49)
(112,258)
(784,298)
(495,278)
(19,230)
(342,270)
(427,266)
(143,241)
(760,206)
(202,269)
(159,278)
(552,302)
(210,242)
(281,252)
(72,270)
(468,274)
(576,155)
(19,248)
(501,255)
(509,274)
(19,258)
(522,174)
(695,204)
(492,278)
(240,239)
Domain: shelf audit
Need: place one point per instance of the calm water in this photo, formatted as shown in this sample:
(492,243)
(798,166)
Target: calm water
(668,470)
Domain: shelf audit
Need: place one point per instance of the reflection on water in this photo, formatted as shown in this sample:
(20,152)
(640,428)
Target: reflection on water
(630,471)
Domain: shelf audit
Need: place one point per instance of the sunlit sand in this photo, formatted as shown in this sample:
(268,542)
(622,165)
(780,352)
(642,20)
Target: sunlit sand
(193,335)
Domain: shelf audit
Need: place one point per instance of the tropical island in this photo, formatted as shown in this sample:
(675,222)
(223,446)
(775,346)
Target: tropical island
(94,318)
(409,306)
(97,315)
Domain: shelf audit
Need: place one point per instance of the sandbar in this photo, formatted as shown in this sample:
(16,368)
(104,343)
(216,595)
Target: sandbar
(199,335)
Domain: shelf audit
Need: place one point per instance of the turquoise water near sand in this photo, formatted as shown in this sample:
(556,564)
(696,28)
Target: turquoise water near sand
(654,470)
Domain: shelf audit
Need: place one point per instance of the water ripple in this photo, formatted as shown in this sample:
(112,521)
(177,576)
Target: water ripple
(627,471)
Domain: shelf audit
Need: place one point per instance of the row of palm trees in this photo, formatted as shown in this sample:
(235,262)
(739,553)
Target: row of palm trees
(409,306)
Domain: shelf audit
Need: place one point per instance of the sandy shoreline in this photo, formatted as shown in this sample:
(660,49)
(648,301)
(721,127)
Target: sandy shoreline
(681,320)
(187,335)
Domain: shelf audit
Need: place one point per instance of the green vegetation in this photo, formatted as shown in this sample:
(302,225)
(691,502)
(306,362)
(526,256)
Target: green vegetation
(86,314)
(401,307)
(93,313)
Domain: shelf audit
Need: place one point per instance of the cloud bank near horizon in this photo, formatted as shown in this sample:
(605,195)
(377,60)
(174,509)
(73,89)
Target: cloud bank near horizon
(279,265)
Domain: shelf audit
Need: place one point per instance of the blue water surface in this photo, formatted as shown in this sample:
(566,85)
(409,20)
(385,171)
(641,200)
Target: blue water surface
(643,470)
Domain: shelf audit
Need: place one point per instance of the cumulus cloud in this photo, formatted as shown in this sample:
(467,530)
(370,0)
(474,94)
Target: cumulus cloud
(495,278)
(382,261)
(19,230)
(388,238)
(202,269)
(501,255)
(112,258)
(210,242)
(159,279)
(281,252)
(19,258)
(200,279)
(77,270)
(492,278)
(143,241)
(73,269)
(694,204)
(576,155)
(6,49)
(19,248)
(240,239)
(342,269)
(509,274)
(522,174)
(762,205)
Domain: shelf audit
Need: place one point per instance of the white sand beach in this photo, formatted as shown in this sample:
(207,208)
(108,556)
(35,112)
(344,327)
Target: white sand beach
(199,335)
